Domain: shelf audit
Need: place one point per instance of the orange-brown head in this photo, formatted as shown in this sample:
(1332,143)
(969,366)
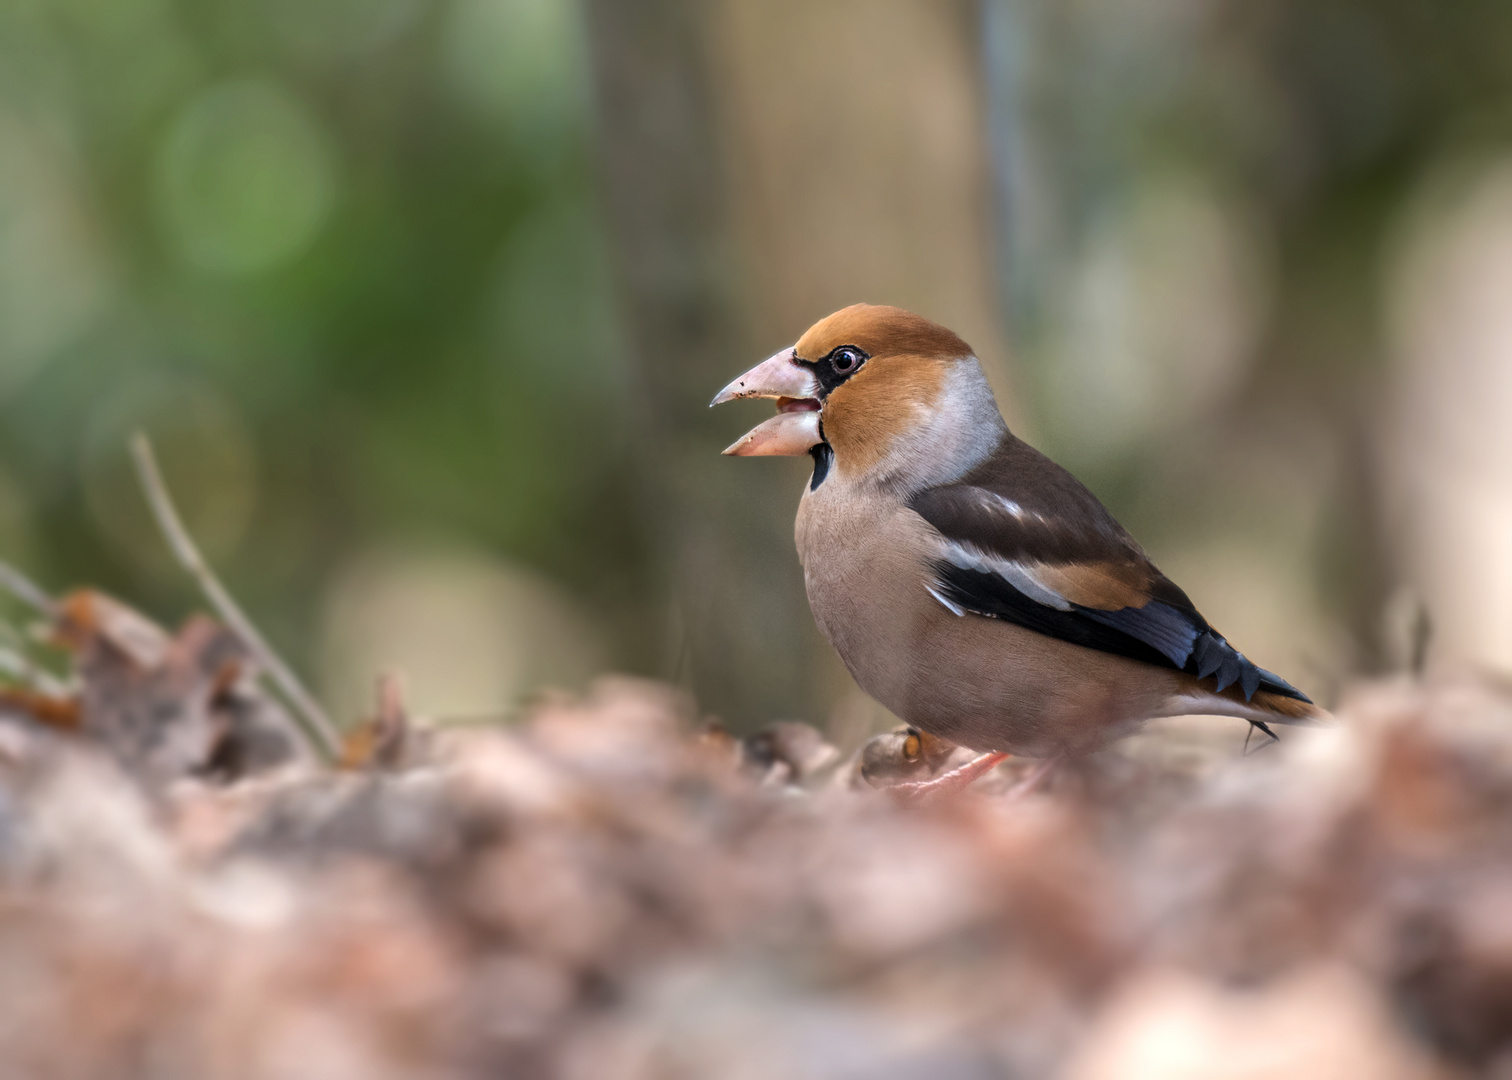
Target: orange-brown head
(877,389)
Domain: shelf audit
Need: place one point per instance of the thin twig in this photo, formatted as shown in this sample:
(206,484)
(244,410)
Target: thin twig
(27,591)
(313,721)
(14,658)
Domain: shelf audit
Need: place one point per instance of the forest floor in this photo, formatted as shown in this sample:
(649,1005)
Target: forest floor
(611,889)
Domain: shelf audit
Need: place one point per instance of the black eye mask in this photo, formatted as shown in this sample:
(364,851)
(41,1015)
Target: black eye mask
(836,367)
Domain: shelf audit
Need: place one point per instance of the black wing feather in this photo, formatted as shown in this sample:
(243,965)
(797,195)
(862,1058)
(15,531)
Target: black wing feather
(1170,630)
(1152,634)
(1055,520)
(987,594)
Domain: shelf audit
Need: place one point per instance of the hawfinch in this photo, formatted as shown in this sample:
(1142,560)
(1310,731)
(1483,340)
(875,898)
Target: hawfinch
(971,585)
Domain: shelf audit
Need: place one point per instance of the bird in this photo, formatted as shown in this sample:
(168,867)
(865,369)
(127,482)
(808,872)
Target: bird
(970,584)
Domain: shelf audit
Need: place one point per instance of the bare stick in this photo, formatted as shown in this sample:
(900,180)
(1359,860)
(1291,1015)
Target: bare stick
(27,591)
(16,662)
(313,720)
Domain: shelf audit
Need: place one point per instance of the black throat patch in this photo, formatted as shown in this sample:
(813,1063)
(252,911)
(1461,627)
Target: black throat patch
(823,457)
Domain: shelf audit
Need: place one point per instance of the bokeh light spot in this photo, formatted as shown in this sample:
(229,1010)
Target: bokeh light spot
(470,633)
(518,61)
(1163,315)
(1449,455)
(246,177)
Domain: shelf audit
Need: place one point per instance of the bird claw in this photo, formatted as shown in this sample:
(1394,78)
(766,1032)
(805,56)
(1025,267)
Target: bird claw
(946,785)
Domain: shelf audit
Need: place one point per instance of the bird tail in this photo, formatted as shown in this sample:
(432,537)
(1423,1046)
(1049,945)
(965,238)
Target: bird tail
(1266,707)
(1212,656)
(1286,709)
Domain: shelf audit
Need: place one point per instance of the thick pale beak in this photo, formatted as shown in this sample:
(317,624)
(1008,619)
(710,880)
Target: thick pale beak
(795,428)
(778,376)
(787,434)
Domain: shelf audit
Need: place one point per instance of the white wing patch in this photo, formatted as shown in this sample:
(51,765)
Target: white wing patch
(992,502)
(1019,575)
(1007,504)
(954,609)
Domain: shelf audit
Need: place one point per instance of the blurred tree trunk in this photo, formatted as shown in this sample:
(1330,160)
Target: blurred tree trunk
(764,165)
(738,630)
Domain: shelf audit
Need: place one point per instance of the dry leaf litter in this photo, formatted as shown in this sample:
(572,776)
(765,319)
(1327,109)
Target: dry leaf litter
(611,889)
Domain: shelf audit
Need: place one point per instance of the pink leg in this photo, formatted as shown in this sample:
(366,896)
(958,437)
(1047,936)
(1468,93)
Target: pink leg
(946,784)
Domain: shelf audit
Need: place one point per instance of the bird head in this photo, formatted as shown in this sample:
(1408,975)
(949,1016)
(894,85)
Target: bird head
(879,390)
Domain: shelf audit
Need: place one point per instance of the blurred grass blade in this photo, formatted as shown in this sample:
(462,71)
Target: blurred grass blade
(27,591)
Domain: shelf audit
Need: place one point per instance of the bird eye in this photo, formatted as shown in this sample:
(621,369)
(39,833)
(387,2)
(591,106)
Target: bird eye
(845,361)
(911,747)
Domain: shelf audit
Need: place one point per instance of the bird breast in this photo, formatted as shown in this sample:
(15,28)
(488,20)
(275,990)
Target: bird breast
(866,568)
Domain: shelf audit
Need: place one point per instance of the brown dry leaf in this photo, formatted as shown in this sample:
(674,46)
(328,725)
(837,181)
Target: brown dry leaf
(379,742)
(49,709)
(600,892)
(167,706)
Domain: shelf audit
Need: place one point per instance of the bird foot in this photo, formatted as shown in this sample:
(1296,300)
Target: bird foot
(945,785)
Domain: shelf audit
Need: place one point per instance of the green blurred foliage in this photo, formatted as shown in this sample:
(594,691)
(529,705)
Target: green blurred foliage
(342,260)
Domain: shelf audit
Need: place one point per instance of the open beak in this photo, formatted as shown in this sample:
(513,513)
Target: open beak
(795,428)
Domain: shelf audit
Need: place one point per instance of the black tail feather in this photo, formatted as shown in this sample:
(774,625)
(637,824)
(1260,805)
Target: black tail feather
(1213,655)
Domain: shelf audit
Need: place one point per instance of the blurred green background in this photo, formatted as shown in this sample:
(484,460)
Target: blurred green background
(422,301)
